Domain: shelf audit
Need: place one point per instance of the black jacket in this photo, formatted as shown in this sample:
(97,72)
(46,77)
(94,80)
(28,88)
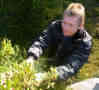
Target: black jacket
(74,50)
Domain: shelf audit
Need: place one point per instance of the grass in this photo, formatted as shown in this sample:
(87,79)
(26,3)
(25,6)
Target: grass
(15,74)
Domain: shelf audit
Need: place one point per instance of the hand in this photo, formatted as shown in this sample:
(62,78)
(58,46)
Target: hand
(30,60)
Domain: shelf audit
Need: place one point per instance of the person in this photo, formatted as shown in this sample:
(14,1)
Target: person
(68,38)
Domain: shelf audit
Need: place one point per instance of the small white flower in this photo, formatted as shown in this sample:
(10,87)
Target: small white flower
(39,76)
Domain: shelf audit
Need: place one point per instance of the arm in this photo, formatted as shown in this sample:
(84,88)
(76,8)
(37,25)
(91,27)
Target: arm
(41,43)
(76,60)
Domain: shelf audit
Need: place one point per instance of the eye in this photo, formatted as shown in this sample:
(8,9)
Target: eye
(70,24)
(67,23)
(64,22)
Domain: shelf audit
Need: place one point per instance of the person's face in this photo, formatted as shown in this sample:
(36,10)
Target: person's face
(70,25)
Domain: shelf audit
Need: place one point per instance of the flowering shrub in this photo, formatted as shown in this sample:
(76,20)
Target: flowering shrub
(21,76)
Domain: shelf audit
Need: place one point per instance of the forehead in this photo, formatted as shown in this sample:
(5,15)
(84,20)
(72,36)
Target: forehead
(71,19)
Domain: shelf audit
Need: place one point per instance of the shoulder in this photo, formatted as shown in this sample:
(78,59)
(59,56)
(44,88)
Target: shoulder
(87,40)
(55,22)
(84,37)
(87,36)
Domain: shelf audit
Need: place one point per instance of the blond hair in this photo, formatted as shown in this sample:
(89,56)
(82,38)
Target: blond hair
(78,9)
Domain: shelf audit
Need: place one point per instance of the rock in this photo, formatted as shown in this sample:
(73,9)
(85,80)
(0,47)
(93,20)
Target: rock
(90,84)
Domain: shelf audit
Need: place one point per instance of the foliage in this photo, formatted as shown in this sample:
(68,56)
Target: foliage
(9,53)
(16,75)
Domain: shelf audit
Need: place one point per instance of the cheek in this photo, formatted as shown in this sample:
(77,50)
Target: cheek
(64,26)
(75,27)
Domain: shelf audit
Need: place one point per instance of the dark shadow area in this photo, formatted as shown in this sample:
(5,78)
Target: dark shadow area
(21,21)
(16,21)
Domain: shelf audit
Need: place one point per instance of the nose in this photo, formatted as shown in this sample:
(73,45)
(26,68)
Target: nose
(66,26)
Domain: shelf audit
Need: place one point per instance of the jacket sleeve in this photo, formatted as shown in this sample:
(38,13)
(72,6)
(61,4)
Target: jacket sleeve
(40,44)
(76,60)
